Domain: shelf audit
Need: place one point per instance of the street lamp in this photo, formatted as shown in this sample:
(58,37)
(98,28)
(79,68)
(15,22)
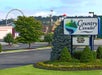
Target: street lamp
(92,13)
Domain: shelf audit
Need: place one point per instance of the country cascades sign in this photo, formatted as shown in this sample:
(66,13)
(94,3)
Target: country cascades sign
(81,26)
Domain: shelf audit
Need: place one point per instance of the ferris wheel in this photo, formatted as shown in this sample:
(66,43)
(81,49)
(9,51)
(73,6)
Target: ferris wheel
(12,11)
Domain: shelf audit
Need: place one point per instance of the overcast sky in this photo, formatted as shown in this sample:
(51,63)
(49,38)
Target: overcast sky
(43,7)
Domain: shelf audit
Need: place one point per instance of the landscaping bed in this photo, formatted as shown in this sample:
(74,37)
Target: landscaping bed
(69,66)
(79,60)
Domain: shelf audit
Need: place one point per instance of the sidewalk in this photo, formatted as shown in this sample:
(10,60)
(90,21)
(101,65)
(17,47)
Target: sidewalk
(20,47)
(22,50)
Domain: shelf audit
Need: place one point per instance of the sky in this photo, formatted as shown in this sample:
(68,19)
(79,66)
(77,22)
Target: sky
(44,7)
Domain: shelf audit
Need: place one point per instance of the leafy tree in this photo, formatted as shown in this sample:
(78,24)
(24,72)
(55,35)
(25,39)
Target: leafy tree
(65,55)
(48,38)
(29,29)
(87,55)
(60,40)
(99,52)
(9,39)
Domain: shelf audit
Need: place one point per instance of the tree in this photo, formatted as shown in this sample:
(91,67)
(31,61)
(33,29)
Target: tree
(9,39)
(87,55)
(65,55)
(29,29)
(48,38)
(60,40)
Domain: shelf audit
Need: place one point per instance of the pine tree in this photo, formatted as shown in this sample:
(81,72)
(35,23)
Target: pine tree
(87,55)
(60,40)
(65,55)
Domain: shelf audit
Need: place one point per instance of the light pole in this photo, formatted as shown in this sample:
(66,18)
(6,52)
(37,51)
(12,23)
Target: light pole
(92,13)
(51,20)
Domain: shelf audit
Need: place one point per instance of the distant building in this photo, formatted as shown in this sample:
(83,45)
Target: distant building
(4,30)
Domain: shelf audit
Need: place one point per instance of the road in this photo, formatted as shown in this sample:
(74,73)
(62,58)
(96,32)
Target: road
(9,60)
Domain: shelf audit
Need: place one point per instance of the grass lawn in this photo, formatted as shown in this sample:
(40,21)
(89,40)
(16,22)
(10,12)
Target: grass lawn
(30,70)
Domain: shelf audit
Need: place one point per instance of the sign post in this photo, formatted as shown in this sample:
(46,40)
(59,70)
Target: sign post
(92,42)
(71,45)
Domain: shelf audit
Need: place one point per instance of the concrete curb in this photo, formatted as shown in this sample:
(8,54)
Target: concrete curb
(23,50)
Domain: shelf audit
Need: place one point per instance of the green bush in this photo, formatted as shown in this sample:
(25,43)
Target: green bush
(65,55)
(77,54)
(9,39)
(99,52)
(48,38)
(87,55)
(0,47)
(94,54)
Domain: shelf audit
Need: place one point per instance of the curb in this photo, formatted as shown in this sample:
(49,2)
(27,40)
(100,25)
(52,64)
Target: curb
(24,50)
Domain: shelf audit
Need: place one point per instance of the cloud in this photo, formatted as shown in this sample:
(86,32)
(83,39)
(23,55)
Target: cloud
(41,13)
(71,1)
(2,15)
(79,7)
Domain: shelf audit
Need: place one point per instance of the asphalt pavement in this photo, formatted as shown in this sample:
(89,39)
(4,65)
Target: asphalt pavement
(10,60)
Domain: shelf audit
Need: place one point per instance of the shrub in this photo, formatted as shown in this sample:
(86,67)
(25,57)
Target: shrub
(99,52)
(87,55)
(9,39)
(0,47)
(94,54)
(77,54)
(65,55)
(69,67)
(48,38)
